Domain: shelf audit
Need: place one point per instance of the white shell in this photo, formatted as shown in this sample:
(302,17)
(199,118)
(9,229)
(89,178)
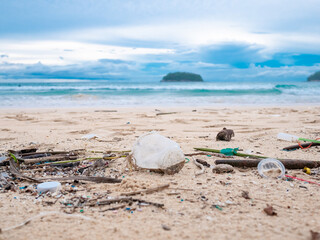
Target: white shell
(154,151)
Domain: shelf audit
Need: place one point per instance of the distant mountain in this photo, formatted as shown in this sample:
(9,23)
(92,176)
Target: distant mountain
(314,77)
(182,77)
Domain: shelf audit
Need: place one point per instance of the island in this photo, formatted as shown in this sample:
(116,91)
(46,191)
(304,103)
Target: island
(182,77)
(314,77)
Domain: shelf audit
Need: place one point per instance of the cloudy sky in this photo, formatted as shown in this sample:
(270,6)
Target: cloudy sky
(144,40)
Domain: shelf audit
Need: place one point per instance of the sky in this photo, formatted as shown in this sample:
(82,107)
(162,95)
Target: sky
(144,40)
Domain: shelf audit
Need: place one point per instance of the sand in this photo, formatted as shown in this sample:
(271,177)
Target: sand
(189,203)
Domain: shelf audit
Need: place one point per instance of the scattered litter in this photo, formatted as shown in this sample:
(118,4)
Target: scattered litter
(225,135)
(89,136)
(4,175)
(271,168)
(228,202)
(300,146)
(217,207)
(307,170)
(48,187)
(229,152)
(155,152)
(288,163)
(249,151)
(303,180)
(293,138)
(269,210)
(2,158)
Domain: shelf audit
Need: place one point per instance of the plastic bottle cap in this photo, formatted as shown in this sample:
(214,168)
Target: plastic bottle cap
(271,168)
(48,187)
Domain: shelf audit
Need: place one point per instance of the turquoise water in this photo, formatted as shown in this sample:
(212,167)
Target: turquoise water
(82,93)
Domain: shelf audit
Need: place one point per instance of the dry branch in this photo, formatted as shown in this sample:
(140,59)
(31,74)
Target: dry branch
(147,191)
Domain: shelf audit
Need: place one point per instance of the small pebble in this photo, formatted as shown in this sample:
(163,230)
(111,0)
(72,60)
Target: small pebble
(165,227)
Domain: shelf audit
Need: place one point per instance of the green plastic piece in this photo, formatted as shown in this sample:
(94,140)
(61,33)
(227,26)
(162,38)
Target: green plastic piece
(237,154)
(229,151)
(309,140)
(14,157)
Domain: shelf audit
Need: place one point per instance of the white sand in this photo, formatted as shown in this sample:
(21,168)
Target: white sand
(189,213)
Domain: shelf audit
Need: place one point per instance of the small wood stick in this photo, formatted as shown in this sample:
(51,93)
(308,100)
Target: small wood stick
(159,205)
(150,190)
(113,200)
(114,208)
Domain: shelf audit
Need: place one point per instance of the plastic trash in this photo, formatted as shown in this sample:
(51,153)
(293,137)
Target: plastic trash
(229,151)
(3,158)
(293,138)
(89,136)
(271,168)
(48,187)
(287,137)
(154,151)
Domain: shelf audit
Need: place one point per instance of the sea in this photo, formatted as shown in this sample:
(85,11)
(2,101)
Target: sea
(68,93)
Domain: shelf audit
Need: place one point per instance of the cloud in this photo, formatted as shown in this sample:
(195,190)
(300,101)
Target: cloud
(138,39)
(86,70)
(70,52)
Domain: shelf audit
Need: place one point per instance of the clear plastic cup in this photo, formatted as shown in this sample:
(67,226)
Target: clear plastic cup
(271,168)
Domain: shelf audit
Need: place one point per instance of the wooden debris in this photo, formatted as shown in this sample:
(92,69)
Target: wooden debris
(147,191)
(222,168)
(165,113)
(270,211)
(245,194)
(16,172)
(50,158)
(288,163)
(85,178)
(159,205)
(304,145)
(113,200)
(195,154)
(203,162)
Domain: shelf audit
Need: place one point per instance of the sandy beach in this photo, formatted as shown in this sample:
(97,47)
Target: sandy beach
(189,210)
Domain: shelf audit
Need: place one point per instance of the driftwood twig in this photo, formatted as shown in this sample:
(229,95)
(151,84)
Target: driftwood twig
(147,191)
(15,171)
(288,163)
(86,178)
(304,145)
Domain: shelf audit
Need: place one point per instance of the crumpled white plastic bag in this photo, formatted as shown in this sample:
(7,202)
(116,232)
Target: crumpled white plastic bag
(154,151)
